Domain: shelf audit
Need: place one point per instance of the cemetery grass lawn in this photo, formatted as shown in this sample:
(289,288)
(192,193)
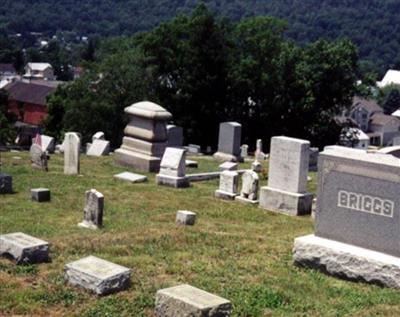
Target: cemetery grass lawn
(239,252)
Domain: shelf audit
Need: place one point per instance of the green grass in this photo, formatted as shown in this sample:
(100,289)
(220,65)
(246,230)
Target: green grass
(239,252)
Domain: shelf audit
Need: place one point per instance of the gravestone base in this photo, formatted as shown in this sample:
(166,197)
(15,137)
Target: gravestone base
(137,161)
(293,204)
(5,184)
(184,217)
(347,261)
(185,300)
(172,181)
(225,195)
(24,249)
(246,201)
(131,177)
(225,157)
(97,275)
(40,194)
(88,225)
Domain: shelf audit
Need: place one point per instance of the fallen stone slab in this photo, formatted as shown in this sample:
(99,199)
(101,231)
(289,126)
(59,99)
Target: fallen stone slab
(187,301)
(131,177)
(40,194)
(347,261)
(24,249)
(191,163)
(184,217)
(98,275)
(228,166)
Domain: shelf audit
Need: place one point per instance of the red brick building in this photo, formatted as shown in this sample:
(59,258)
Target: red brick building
(28,100)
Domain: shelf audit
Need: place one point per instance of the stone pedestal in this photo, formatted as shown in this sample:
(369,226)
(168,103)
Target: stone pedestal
(145,137)
(40,194)
(97,275)
(185,300)
(24,249)
(293,204)
(184,217)
(347,261)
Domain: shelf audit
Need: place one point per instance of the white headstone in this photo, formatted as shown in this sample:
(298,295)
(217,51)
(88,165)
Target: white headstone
(228,185)
(99,148)
(173,168)
(98,136)
(249,192)
(38,157)
(72,146)
(244,150)
(185,217)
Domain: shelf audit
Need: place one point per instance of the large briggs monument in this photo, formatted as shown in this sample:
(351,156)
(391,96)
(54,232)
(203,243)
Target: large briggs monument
(357,222)
(145,137)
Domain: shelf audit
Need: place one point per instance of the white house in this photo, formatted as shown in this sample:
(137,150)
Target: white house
(39,71)
(392,77)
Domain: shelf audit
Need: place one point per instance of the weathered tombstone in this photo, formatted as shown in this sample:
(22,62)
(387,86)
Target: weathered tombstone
(228,185)
(357,218)
(313,162)
(48,143)
(99,148)
(244,151)
(93,211)
(131,177)
(287,177)
(230,134)
(194,149)
(24,249)
(259,154)
(5,184)
(97,275)
(391,150)
(175,136)
(184,217)
(72,147)
(145,137)
(40,194)
(228,166)
(38,157)
(98,136)
(249,192)
(185,300)
(173,168)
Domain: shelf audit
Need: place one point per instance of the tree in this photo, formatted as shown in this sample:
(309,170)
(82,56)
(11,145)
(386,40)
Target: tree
(7,119)
(392,102)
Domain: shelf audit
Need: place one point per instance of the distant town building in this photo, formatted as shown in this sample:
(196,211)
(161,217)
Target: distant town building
(8,74)
(42,71)
(392,77)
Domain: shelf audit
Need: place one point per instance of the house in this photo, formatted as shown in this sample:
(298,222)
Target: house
(28,101)
(7,70)
(370,119)
(42,71)
(392,77)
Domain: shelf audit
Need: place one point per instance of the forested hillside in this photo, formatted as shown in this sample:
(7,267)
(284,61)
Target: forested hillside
(372,24)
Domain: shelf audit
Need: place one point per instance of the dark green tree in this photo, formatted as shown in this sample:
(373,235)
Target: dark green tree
(7,119)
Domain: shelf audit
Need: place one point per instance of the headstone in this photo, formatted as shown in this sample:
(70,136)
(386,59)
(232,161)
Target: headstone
(5,184)
(145,137)
(249,192)
(184,217)
(194,149)
(185,300)
(230,134)
(131,177)
(228,166)
(391,150)
(228,185)
(72,146)
(175,136)
(313,162)
(48,144)
(98,136)
(93,211)
(173,168)
(244,151)
(97,275)
(256,166)
(24,249)
(99,148)
(287,177)
(259,154)
(208,149)
(38,157)
(40,194)
(357,217)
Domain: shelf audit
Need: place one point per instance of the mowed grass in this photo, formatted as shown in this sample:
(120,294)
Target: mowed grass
(242,253)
